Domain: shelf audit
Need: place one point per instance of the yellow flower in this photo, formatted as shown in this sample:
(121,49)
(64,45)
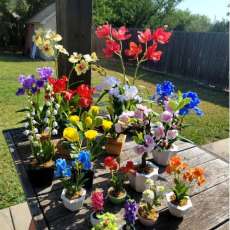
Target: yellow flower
(61,49)
(107,125)
(71,134)
(94,57)
(91,134)
(51,35)
(88,121)
(74,119)
(81,67)
(75,57)
(37,39)
(47,49)
(95,109)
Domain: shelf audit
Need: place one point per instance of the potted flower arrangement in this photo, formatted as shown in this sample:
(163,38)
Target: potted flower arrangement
(175,107)
(130,214)
(116,192)
(107,221)
(97,199)
(151,198)
(185,178)
(73,194)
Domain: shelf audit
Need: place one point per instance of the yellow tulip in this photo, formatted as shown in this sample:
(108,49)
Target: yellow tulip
(95,109)
(88,121)
(91,134)
(107,125)
(71,134)
(74,119)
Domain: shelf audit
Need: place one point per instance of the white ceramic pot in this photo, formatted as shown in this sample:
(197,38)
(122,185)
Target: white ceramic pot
(74,204)
(137,180)
(146,222)
(176,210)
(162,157)
(93,220)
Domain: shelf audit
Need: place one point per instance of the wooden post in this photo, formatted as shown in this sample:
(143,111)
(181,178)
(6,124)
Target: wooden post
(74,21)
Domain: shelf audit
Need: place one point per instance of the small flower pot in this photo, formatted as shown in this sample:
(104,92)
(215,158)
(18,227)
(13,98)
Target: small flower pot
(73,204)
(114,145)
(93,219)
(176,210)
(137,180)
(146,222)
(162,157)
(41,175)
(114,199)
(89,175)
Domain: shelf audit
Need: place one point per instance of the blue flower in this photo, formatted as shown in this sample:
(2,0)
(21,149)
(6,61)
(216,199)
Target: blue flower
(192,105)
(84,159)
(20,91)
(130,212)
(166,89)
(62,168)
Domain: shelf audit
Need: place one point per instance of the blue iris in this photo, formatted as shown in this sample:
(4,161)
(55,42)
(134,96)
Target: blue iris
(192,105)
(84,158)
(165,89)
(62,168)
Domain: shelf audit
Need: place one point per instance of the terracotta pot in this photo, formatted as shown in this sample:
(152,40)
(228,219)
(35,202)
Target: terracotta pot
(114,145)
(73,204)
(41,175)
(162,157)
(176,210)
(137,180)
(146,222)
(114,199)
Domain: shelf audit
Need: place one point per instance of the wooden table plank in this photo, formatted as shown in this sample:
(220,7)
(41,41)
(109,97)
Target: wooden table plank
(224,226)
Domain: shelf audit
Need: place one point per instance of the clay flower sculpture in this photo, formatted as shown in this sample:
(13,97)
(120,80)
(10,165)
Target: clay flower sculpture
(116,192)
(185,178)
(130,214)
(151,198)
(97,200)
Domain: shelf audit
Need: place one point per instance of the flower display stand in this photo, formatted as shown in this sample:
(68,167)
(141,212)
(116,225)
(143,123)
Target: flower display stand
(210,203)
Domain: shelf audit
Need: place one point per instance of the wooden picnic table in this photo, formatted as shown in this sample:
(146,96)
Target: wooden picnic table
(210,202)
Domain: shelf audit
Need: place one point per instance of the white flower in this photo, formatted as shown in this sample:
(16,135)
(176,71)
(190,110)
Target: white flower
(61,49)
(35,130)
(75,57)
(26,132)
(148,196)
(57,106)
(46,120)
(33,113)
(38,136)
(52,99)
(55,124)
(88,58)
(149,183)
(54,132)
(55,112)
(160,189)
(30,137)
(26,124)
(48,103)
(34,122)
(53,36)
(49,87)
(48,113)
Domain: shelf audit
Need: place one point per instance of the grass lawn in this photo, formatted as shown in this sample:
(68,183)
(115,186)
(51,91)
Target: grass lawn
(211,127)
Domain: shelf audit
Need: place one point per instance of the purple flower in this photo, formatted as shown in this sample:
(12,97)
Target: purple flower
(166,117)
(130,212)
(149,143)
(140,149)
(114,92)
(172,134)
(40,83)
(159,132)
(20,91)
(45,73)
(108,83)
(27,82)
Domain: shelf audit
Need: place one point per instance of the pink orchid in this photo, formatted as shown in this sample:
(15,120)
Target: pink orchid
(166,117)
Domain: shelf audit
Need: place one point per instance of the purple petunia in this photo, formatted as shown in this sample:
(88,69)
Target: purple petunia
(45,73)
(130,212)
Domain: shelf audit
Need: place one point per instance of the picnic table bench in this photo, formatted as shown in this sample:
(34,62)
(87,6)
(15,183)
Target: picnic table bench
(210,202)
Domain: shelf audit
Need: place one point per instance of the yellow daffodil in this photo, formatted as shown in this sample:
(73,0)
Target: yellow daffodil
(71,134)
(107,125)
(81,67)
(47,48)
(61,49)
(74,119)
(75,57)
(95,109)
(88,121)
(94,57)
(91,134)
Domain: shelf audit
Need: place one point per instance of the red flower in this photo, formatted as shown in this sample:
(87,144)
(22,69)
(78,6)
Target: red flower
(111,163)
(152,54)
(161,36)
(85,102)
(145,36)
(59,85)
(103,31)
(68,94)
(134,50)
(111,48)
(130,167)
(121,33)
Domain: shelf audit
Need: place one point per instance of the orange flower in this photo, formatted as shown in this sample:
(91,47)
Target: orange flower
(201,180)
(198,172)
(188,176)
(176,165)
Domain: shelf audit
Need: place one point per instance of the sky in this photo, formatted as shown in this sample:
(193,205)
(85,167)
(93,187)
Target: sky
(214,9)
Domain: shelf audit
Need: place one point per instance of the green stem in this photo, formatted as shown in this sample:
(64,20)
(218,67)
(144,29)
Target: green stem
(136,71)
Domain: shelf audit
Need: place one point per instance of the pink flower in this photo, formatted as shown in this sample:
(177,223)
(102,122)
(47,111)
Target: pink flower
(172,134)
(121,34)
(167,107)
(111,48)
(103,31)
(152,53)
(118,128)
(145,36)
(97,199)
(140,149)
(161,36)
(166,117)
(159,132)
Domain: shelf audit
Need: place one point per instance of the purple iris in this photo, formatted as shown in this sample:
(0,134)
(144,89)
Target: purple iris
(27,82)
(130,212)
(45,73)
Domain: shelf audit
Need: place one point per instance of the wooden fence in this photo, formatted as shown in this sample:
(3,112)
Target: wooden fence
(203,57)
